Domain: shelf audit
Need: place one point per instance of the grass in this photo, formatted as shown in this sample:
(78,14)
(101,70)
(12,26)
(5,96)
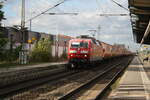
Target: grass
(114,86)
(116,83)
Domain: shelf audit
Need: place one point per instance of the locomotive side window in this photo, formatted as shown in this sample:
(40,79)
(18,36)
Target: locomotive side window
(98,43)
(94,41)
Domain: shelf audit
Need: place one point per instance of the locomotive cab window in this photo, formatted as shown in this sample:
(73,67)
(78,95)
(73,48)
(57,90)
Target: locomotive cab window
(79,45)
(75,44)
(84,44)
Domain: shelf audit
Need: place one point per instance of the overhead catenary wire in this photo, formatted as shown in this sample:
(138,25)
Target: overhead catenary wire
(37,10)
(101,8)
(2,1)
(46,10)
(112,14)
(68,13)
(107,14)
(120,5)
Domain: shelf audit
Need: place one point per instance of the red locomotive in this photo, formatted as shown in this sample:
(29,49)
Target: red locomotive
(86,50)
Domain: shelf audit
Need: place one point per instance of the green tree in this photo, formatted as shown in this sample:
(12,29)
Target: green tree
(41,51)
(3,39)
(1,13)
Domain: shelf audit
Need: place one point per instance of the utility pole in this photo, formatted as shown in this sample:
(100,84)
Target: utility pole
(11,43)
(30,35)
(23,14)
(23,53)
(30,24)
(23,23)
(98,32)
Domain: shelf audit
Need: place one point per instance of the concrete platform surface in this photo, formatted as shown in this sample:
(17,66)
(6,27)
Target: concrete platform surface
(134,85)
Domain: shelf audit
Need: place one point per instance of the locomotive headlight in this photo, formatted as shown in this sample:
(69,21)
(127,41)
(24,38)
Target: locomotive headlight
(83,51)
(85,55)
(73,51)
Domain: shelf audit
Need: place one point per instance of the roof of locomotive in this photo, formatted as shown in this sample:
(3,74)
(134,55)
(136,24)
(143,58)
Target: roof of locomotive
(80,39)
(103,43)
(84,38)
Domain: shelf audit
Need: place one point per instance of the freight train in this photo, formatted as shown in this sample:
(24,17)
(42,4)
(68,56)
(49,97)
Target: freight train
(85,50)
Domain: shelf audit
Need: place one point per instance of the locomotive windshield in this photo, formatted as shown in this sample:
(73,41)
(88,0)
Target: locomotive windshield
(79,45)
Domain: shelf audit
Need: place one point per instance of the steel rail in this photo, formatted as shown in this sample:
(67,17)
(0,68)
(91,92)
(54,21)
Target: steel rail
(101,93)
(75,91)
(27,74)
(11,89)
(29,70)
(22,77)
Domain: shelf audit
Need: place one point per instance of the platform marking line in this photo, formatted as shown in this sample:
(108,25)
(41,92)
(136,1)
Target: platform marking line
(145,81)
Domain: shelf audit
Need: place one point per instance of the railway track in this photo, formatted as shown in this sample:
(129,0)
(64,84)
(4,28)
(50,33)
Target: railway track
(59,81)
(16,76)
(94,88)
(27,80)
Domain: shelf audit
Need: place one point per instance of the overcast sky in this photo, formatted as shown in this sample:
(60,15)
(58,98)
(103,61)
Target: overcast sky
(112,29)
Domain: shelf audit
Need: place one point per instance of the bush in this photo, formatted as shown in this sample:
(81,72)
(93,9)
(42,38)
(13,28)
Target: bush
(41,51)
(3,42)
(13,55)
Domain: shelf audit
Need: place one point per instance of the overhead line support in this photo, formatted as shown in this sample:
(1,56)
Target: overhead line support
(146,33)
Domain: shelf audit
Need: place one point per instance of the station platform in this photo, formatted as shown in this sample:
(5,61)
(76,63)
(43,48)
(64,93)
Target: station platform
(23,67)
(134,84)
